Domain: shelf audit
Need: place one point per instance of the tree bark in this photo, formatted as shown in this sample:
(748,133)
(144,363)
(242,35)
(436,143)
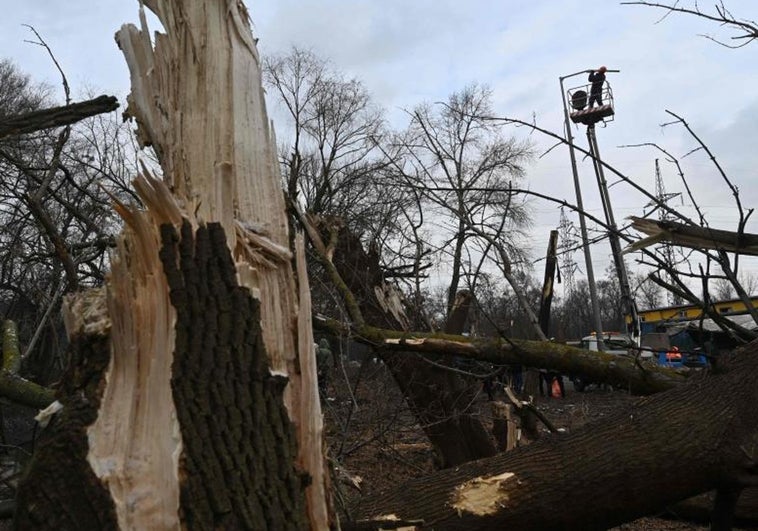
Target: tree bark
(59,469)
(665,448)
(546,299)
(109,460)
(13,386)
(455,276)
(458,315)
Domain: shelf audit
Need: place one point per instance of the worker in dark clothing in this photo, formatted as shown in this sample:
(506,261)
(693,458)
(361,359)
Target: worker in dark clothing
(597,78)
(323,362)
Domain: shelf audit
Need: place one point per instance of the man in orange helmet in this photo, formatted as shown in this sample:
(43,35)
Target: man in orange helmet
(597,78)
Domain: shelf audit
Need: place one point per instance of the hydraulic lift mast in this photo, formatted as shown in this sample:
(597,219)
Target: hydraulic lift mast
(627,300)
(589,116)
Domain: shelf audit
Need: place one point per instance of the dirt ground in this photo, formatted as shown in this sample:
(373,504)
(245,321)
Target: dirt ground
(373,437)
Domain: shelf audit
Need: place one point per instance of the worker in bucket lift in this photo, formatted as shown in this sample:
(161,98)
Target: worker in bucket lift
(597,78)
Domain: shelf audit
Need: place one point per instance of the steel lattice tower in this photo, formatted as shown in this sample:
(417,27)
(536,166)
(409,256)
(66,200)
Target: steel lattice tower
(567,245)
(662,199)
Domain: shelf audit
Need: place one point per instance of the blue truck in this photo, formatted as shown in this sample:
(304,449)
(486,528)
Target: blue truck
(668,355)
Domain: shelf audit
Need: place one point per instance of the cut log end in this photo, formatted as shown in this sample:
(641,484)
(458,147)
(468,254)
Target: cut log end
(483,496)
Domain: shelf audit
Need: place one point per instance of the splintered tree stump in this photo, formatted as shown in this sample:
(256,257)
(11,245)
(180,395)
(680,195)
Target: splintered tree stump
(236,460)
(438,398)
(204,413)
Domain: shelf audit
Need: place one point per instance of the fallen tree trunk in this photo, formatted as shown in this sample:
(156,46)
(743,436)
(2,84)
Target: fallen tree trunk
(625,372)
(24,392)
(697,437)
(12,386)
(55,116)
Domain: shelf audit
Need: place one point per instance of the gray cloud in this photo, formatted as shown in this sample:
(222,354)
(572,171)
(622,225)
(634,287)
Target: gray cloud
(408,52)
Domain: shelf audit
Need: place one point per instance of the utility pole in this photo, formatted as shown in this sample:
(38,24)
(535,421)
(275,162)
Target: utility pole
(584,112)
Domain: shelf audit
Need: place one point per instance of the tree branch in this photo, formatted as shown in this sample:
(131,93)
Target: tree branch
(56,116)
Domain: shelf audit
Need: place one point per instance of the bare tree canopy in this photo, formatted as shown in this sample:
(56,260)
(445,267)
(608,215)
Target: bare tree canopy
(746,30)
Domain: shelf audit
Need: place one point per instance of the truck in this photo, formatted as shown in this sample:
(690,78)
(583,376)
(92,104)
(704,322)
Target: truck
(615,343)
(658,345)
(654,347)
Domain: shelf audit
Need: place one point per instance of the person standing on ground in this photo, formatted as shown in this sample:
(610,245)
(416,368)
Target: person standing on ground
(597,78)
(323,362)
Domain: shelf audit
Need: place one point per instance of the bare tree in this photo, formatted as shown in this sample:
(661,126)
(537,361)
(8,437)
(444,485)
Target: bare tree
(648,293)
(465,167)
(336,165)
(332,165)
(573,318)
(296,78)
(745,31)
(18,94)
(57,226)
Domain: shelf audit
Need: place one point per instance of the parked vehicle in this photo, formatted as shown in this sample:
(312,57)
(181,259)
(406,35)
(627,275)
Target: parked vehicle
(658,346)
(614,343)
(694,360)
(654,347)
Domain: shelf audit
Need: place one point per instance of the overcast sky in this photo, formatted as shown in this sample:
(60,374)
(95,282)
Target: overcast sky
(409,51)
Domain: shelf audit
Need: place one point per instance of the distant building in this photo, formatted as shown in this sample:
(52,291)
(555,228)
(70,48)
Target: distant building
(652,320)
(688,328)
